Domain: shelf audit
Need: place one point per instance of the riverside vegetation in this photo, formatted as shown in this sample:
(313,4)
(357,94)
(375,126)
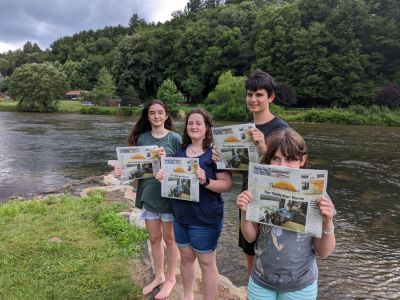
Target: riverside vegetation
(67,247)
(353,115)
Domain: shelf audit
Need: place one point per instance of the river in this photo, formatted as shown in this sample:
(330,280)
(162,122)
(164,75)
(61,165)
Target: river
(39,152)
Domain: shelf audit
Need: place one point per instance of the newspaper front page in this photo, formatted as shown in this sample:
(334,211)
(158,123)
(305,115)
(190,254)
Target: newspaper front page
(235,146)
(286,198)
(180,180)
(137,162)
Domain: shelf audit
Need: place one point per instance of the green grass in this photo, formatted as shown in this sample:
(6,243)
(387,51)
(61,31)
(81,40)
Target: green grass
(7,105)
(89,260)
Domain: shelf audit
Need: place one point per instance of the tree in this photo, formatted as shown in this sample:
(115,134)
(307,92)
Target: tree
(169,93)
(228,98)
(38,87)
(2,82)
(105,87)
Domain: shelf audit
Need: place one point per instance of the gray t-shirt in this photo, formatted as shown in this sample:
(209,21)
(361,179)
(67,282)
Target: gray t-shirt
(285,260)
(149,189)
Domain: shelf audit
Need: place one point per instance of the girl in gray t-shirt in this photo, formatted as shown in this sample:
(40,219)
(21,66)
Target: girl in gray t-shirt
(285,261)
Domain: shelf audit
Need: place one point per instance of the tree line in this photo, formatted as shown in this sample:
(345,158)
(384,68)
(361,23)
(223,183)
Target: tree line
(324,53)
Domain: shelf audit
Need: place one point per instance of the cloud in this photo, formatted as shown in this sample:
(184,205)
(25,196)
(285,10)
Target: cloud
(45,21)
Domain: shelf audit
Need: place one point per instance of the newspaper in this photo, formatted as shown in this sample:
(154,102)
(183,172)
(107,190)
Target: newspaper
(285,197)
(180,180)
(235,146)
(137,162)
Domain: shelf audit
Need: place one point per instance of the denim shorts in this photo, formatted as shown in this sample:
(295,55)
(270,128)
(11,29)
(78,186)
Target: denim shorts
(256,292)
(149,215)
(202,238)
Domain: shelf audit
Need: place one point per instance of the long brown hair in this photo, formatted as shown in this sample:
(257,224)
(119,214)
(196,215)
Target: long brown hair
(143,124)
(289,142)
(208,121)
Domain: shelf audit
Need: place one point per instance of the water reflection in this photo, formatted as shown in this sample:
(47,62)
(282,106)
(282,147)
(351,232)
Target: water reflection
(41,151)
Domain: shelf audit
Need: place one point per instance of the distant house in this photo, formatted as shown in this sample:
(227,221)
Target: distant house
(3,96)
(113,102)
(74,94)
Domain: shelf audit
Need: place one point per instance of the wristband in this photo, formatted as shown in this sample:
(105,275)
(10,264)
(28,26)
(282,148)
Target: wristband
(206,183)
(332,230)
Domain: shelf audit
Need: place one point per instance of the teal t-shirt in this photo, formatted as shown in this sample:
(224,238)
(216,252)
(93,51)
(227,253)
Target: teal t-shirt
(148,193)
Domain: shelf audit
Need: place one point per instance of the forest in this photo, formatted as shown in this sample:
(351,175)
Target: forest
(324,53)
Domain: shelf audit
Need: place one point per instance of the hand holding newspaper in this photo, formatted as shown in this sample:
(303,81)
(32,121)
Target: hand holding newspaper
(180,181)
(137,162)
(286,198)
(235,146)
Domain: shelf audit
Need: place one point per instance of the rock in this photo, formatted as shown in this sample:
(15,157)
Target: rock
(110,179)
(55,239)
(134,218)
(181,115)
(114,192)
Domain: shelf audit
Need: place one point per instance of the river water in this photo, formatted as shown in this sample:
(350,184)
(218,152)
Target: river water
(39,152)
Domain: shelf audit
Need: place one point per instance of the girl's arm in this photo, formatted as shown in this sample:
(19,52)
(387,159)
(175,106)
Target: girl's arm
(222,183)
(325,245)
(250,229)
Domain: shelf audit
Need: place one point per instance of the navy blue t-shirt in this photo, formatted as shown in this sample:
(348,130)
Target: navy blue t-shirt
(210,209)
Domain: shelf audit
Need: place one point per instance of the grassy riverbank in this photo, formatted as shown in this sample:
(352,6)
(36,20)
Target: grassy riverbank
(67,248)
(354,115)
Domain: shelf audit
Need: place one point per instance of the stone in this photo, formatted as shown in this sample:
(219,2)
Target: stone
(181,115)
(110,179)
(134,218)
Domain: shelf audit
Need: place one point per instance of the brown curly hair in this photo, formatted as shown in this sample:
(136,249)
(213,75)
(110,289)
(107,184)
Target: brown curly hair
(208,121)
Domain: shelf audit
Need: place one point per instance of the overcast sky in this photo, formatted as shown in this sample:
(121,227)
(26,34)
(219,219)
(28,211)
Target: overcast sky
(45,21)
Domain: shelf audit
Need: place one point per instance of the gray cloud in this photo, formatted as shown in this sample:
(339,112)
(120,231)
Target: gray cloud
(44,21)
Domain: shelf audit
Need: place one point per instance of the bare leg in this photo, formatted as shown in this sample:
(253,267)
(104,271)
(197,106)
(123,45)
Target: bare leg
(209,274)
(188,272)
(250,260)
(172,257)
(155,236)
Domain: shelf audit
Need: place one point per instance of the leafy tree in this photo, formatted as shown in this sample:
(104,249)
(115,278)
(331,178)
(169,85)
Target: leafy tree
(228,99)
(38,87)
(130,97)
(169,93)
(2,82)
(105,87)
(135,22)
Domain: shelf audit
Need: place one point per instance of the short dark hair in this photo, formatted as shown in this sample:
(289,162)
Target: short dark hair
(258,79)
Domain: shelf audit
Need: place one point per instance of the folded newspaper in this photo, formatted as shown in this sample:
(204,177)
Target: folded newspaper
(235,146)
(137,162)
(180,180)
(286,198)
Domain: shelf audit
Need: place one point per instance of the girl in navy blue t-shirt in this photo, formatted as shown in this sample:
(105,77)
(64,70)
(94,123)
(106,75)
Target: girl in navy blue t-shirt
(198,225)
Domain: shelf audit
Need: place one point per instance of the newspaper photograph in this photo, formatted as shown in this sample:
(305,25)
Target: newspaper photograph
(180,180)
(137,162)
(286,198)
(235,146)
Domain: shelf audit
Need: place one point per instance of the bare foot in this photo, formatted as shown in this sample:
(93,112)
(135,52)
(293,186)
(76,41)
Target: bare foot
(166,289)
(150,287)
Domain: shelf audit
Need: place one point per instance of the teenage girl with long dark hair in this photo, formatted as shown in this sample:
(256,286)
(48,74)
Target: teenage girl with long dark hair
(155,127)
